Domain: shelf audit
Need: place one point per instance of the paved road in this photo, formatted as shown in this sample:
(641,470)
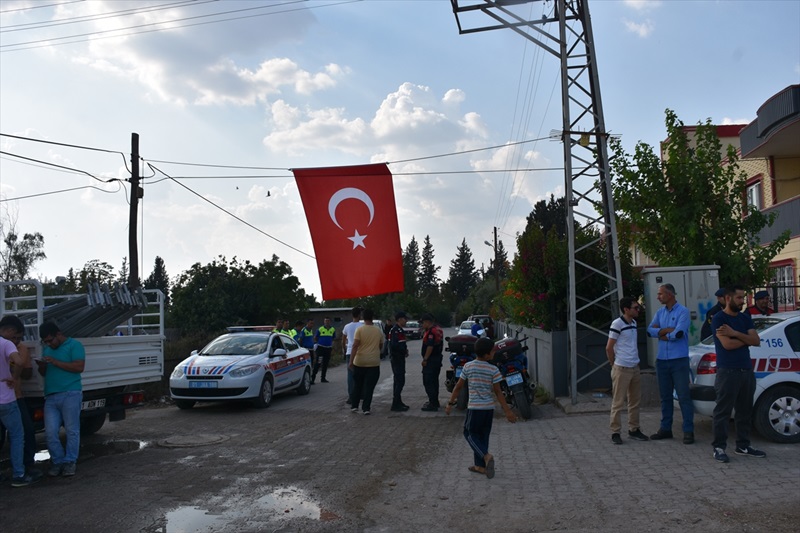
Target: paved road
(309,464)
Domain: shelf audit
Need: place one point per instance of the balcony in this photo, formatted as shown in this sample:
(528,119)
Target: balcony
(775,131)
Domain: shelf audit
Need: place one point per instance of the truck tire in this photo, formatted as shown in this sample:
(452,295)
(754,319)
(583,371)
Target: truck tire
(463,397)
(305,383)
(185,404)
(777,414)
(265,393)
(92,424)
(522,402)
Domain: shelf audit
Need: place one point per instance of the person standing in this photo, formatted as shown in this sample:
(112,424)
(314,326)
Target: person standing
(432,348)
(10,415)
(671,327)
(323,341)
(623,356)
(477,328)
(366,363)
(62,363)
(705,332)
(735,382)
(348,337)
(387,328)
(398,352)
(483,382)
(760,305)
(12,329)
(306,339)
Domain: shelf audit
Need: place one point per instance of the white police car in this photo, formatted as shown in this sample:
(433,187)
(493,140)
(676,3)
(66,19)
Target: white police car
(249,363)
(776,363)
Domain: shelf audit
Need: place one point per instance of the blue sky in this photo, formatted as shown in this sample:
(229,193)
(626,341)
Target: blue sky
(322,83)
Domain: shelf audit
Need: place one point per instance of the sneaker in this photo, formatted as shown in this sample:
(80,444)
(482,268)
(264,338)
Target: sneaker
(354,409)
(637,435)
(54,471)
(720,455)
(661,434)
(688,437)
(68,470)
(323,380)
(398,408)
(429,407)
(366,413)
(616,439)
(29,479)
(750,452)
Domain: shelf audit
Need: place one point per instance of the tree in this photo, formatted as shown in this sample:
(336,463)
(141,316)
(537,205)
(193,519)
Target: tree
(687,207)
(158,279)
(502,263)
(429,273)
(463,275)
(95,271)
(19,255)
(411,268)
(123,272)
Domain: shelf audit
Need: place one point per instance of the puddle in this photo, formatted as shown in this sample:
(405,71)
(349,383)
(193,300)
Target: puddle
(279,505)
(111,447)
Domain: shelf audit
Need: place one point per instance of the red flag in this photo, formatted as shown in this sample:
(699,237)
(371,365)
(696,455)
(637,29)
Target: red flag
(353,221)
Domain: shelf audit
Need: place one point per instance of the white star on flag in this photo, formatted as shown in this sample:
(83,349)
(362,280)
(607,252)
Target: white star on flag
(358,240)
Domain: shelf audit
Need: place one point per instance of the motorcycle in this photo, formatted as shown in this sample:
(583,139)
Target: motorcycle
(512,362)
(462,351)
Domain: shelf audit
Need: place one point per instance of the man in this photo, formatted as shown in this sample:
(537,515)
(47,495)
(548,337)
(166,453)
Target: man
(398,351)
(735,382)
(387,328)
(9,410)
(306,339)
(761,304)
(671,327)
(623,355)
(432,347)
(295,331)
(12,329)
(348,338)
(323,340)
(477,329)
(61,365)
(706,331)
(366,363)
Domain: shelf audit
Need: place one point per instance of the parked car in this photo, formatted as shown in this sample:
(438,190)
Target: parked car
(465,328)
(246,364)
(412,330)
(483,318)
(776,363)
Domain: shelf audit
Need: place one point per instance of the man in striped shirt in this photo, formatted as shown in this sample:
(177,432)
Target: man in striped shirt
(483,382)
(623,355)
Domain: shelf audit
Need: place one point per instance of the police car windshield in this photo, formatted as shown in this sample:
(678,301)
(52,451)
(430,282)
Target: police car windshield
(239,344)
(760,323)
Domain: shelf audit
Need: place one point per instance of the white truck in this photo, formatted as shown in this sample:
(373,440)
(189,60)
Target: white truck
(122,331)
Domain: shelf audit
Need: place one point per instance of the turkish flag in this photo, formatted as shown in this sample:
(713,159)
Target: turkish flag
(353,221)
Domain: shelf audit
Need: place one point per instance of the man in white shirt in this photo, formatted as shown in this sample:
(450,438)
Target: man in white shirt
(348,338)
(623,355)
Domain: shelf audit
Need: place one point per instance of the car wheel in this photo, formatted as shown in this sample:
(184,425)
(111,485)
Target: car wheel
(777,414)
(265,395)
(185,404)
(305,383)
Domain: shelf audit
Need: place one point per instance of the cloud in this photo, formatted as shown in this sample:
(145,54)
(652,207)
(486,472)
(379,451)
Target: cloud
(642,29)
(643,5)
(726,121)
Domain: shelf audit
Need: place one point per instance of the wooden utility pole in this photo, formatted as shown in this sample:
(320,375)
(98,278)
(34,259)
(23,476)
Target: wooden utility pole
(136,193)
(496,264)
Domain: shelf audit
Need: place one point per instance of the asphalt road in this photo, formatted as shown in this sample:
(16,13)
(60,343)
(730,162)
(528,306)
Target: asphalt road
(307,463)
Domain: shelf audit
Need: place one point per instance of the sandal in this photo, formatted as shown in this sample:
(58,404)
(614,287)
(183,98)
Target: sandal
(476,469)
(489,466)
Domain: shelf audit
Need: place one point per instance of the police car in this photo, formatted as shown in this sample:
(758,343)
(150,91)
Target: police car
(248,363)
(776,363)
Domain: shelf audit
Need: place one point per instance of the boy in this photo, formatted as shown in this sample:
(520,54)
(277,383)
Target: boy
(483,379)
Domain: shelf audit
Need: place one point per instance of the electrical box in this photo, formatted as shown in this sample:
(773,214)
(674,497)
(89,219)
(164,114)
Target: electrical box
(694,287)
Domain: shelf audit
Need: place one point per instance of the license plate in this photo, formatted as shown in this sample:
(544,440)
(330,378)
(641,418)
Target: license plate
(514,379)
(458,372)
(93,404)
(202,384)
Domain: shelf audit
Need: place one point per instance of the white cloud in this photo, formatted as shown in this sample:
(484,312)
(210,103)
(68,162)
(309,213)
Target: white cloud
(726,121)
(302,131)
(643,5)
(642,29)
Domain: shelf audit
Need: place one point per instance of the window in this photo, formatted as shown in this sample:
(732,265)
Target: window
(753,196)
(782,277)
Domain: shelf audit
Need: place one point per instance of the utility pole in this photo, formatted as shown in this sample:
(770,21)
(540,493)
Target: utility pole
(566,33)
(136,193)
(495,263)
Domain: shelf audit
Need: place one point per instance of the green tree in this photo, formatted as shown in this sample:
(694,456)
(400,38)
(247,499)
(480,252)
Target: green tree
(502,263)
(411,268)
(686,208)
(158,279)
(19,255)
(463,276)
(124,272)
(95,271)
(429,273)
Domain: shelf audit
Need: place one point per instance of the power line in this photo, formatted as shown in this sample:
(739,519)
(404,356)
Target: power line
(60,191)
(39,6)
(466,151)
(213,166)
(31,139)
(60,166)
(229,213)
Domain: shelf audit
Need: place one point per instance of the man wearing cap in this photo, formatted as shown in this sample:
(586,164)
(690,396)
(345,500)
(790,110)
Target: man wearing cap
(705,331)
(671,327)
(398,351)
(432,348)
(761,306)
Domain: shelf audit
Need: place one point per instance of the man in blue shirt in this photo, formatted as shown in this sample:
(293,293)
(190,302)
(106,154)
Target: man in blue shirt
(671,327)
(324,347)
(735,382)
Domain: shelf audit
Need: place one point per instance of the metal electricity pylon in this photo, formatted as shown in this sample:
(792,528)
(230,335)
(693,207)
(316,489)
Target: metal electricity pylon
(566,33)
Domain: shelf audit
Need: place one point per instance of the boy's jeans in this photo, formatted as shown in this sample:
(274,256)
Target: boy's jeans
(63,408)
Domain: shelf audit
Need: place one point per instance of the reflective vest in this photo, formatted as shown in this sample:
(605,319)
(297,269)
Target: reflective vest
(325,336)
